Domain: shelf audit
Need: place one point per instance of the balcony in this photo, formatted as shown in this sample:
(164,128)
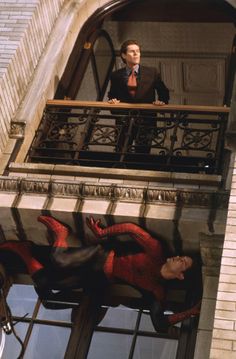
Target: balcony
(187,139)
(89,135)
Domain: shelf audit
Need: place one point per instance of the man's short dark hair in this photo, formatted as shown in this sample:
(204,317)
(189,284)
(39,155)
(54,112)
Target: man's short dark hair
(123,48)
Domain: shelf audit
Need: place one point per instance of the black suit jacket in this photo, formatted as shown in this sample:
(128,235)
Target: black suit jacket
(148,81)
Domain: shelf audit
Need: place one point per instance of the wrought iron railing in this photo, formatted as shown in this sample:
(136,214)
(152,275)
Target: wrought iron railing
(137,136)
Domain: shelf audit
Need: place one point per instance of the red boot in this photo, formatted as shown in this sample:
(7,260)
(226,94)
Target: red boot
(60,232)
(23,250)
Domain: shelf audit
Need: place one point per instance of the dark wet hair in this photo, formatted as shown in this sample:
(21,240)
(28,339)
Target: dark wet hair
(192,285)
(123,48)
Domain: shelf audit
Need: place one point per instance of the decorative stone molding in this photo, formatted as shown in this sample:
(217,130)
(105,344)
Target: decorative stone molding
(17,129)
(35,186)
(124,193)
(60,189)
(188,197)
(97,191)
(211,247)
(9,184)
(114,192)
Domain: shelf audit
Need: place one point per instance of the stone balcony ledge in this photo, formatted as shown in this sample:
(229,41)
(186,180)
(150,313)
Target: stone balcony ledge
(194,179)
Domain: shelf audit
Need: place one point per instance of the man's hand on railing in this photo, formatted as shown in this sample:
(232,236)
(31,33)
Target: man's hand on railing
(159,103)
(113,101)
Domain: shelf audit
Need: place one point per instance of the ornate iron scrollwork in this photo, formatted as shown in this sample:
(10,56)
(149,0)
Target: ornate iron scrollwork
(180,141)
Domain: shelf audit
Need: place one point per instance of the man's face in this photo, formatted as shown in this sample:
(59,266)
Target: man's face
(132,55)
(178,265)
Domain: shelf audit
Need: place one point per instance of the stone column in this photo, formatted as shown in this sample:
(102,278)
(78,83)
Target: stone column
(211,250)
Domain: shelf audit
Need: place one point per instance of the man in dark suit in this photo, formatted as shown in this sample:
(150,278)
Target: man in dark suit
(135,83)
(148,80)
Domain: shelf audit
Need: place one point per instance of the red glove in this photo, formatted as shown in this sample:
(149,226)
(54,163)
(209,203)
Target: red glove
(196,309)
(95,227)
(179,317)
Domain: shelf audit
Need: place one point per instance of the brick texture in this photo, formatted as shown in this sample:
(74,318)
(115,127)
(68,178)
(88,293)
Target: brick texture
(25,26)
(224,328)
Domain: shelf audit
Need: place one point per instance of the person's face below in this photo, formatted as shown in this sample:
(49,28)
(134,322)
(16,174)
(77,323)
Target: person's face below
(178,265)
(132,55)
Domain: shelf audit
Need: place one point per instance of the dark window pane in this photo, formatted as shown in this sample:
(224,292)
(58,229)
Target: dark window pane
(120,317)
(103,56)
(51,314)
(146,323)
(22,299)
(153,348)
(107,345)
(88,89)
(47,342)
(12,347)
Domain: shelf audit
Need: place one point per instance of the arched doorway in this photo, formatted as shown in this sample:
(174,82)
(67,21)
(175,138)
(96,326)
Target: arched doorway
(177,63)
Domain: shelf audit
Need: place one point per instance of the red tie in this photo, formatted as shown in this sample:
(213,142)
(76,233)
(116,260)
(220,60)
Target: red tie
(132,83)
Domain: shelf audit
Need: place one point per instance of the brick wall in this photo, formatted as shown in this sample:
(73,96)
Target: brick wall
(25,26)
(35,45)
(224,329)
